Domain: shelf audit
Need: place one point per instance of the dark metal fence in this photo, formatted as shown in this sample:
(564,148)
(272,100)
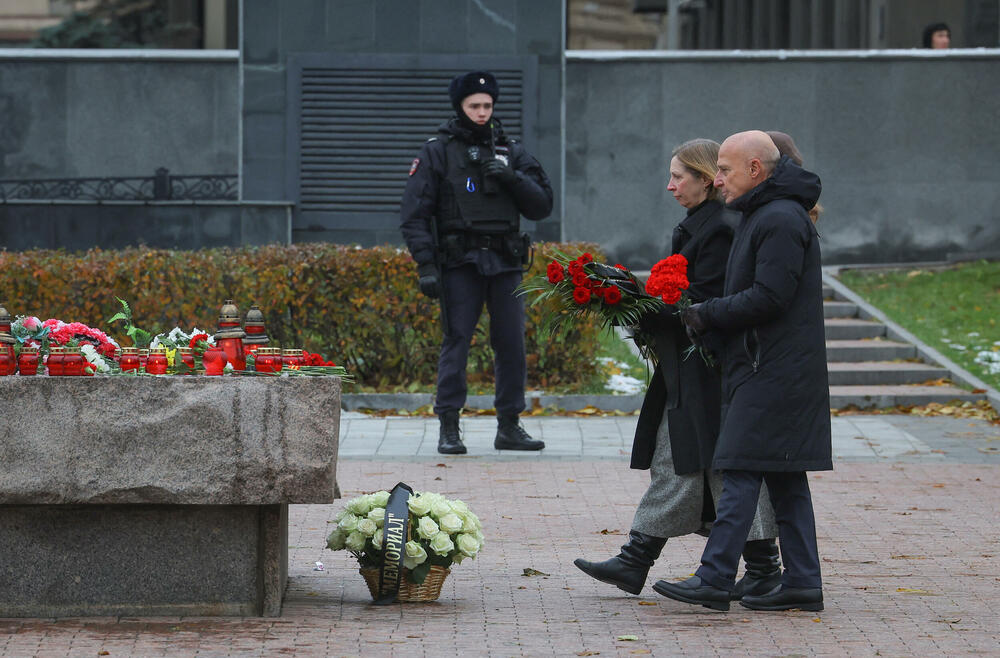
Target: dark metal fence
(160,187)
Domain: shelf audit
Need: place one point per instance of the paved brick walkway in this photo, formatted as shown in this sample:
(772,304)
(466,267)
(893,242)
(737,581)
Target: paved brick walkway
(909,545)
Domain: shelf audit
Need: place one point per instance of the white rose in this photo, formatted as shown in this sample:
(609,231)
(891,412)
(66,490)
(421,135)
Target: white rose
(468,545)
(359,506)
(380,498)
(450,523)
(469,523)
(377,514)
(367,527)
(348,523)
(335,541)
(442,544)
(440,508)
(459,507)
(426,528)
(355,541)
(419,505)
(377,539)
(415,555)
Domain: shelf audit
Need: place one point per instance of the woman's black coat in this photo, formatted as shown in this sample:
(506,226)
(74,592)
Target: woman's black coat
(687,389)
(776,394)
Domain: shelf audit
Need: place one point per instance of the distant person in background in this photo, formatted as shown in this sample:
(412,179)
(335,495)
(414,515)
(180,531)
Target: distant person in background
(786,146)
(937,35)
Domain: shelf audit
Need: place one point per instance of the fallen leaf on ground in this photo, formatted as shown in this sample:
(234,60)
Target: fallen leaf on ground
(953,620)
(647,603)
(628,638)
(611,532)
(588,653)
(528,571)
(910,590)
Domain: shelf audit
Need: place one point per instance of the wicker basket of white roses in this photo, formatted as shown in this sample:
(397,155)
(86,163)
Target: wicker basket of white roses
(440,532)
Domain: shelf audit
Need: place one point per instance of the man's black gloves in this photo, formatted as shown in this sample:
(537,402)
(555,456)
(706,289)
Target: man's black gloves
(430,280)
(694,322)
(500,170)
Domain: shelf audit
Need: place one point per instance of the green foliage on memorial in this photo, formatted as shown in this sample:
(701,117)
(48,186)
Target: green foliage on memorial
(357,307)
(112,24)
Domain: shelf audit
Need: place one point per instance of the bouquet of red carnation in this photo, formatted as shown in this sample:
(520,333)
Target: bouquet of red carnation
(575,287)
(668,281)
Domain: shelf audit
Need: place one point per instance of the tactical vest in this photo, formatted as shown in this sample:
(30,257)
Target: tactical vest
(464,206)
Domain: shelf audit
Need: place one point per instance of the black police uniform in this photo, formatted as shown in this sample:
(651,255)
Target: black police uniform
(480,247)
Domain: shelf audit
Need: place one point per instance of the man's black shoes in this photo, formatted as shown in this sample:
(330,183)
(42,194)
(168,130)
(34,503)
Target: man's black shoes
(511,436)
(786,598)
(450,441)
(763,574)
(695,591)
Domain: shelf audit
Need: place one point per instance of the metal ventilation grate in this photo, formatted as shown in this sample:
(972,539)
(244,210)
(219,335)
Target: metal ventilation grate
(362,127)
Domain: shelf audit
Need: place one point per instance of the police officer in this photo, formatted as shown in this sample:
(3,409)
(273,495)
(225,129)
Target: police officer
(460,217)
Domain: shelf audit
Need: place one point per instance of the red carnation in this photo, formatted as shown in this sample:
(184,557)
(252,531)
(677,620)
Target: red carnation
(585,258)
(574,267)
(196,338)
(621,267)
(671,296)
(556,272)
(581,295)
(612,295)
(581,280)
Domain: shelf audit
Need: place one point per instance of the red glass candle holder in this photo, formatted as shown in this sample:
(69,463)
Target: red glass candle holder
(143,358)
(233,347)
(5,363)
(129,359)
(55,361)
(27,361)
(214,359)
(156,364)
(73,362)
(187,356)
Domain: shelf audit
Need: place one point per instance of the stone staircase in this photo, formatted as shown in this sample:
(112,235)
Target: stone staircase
(867,369)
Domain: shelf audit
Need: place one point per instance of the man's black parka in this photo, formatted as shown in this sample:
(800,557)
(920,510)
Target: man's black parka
(775,389)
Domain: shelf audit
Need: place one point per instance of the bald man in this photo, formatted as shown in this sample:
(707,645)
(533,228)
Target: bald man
(775,390)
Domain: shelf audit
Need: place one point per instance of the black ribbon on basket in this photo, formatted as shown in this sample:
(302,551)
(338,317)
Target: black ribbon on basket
(394,533)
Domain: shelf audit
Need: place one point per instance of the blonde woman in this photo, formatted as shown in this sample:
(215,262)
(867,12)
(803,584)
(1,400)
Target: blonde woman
(679,422)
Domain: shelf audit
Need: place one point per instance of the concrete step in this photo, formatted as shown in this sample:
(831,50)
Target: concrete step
(868,350)
(891,396)
(840,310)
(882,373)
(853,329)
(827,292)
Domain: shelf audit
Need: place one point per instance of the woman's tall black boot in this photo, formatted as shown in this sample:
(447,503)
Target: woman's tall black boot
(627,570)
(763,572)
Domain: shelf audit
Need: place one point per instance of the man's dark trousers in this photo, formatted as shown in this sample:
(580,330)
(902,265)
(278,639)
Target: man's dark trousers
(789,493)
(465,291)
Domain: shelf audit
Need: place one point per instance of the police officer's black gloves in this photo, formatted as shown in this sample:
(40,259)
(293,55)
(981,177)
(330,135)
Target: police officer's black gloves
(694,322)
(430,280)
(500,170)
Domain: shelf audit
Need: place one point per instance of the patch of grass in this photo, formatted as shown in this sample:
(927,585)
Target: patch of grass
(955,310)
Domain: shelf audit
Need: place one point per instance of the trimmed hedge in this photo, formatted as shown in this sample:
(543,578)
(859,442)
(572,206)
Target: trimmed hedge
(358,307)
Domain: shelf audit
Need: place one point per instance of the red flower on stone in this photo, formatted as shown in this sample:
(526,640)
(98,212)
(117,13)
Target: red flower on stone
(585,258)
(581,295)
(197,337)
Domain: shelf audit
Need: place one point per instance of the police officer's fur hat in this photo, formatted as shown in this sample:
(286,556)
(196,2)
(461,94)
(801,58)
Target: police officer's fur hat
(475,82)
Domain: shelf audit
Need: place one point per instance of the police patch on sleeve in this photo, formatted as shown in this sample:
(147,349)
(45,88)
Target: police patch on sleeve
(414,165)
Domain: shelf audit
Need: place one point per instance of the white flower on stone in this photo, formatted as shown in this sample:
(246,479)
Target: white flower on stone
(90,353)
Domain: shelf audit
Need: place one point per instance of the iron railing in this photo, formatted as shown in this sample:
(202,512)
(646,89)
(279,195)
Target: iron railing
(160,187)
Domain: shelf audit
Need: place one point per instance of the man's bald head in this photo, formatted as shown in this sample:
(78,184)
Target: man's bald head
(746,160)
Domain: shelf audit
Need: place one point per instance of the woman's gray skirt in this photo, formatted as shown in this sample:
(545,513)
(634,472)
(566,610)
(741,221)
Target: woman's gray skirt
(672,505)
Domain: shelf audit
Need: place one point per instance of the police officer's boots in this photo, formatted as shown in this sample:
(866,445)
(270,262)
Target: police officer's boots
(450,441)
(511,436)
(763,573)
(628,569)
